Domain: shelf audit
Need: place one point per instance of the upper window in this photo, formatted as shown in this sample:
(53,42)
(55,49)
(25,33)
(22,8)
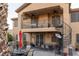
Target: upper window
(16,24)
(56,20)
(34,19)
(77,38)
(75,17)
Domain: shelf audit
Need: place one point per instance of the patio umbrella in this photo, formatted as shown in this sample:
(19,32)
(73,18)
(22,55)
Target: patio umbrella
(20,39)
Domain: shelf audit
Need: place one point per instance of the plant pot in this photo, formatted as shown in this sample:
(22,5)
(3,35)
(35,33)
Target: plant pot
(76,49)
(64,54)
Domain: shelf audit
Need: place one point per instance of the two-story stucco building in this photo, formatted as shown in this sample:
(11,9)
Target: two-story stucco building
(47,24)
(75,28)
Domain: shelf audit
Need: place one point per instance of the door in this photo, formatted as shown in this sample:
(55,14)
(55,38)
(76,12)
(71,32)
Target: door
(39,39)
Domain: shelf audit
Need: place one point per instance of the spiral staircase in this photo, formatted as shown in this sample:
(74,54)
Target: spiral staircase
(66,33)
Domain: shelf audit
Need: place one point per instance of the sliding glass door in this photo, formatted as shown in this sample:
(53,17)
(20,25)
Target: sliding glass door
(39,39)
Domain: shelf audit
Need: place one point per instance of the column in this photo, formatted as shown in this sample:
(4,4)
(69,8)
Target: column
(66,19)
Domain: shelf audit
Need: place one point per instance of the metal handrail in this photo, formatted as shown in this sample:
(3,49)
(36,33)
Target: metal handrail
(41,25)
(67,31)
(70,29)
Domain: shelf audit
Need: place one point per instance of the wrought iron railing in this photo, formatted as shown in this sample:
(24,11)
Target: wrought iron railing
(67,34)
(40,25)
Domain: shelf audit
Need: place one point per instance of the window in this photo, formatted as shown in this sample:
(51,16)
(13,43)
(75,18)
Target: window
(34,21)
(39,38)
(75,17)
(77,38)
(16,37)
(15,23)
(56,21)
(24,36)
(24,40)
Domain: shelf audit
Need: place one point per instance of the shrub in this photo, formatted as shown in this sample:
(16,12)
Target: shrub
(10,37)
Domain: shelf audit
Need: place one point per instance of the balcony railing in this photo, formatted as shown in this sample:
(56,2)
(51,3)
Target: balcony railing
(40,25)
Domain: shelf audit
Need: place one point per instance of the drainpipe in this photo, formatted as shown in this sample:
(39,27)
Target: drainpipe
(62,36)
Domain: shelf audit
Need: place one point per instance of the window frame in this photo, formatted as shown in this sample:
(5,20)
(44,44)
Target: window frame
(75,17)
(77,37)
(56,21)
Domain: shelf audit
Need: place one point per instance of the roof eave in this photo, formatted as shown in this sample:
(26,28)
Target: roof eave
(22,7)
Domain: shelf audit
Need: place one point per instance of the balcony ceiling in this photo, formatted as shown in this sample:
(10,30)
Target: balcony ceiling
(56,9)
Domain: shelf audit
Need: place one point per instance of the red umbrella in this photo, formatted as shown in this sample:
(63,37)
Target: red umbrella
(20,39)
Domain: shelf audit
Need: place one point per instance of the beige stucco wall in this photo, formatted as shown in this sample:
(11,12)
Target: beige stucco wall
(43,19)
(15,32)
(26,22)
(28,38)
(47,38)
(15,29)
(75,30)
(33,38)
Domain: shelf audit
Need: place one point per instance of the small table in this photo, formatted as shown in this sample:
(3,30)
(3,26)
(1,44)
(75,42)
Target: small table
(19,52)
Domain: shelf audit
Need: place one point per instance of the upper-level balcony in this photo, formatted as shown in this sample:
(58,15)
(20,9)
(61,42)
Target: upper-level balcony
(41,27)
(38,25)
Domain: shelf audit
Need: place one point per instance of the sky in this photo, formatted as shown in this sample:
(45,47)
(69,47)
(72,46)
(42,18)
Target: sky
(13,6)
(11,13)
